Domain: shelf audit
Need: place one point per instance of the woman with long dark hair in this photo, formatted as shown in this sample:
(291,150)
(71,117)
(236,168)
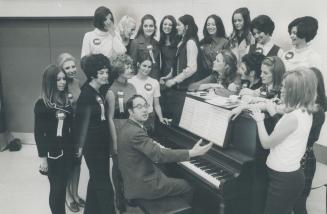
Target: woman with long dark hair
(241,37)
(168,46)
(214,40)
(145,43)
(52,131)
(187,69)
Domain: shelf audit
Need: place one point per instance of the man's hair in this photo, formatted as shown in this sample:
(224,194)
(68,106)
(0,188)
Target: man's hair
(129,103)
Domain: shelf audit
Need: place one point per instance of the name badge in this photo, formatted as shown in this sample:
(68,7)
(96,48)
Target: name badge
(121,101)
(99,100)
(61,117)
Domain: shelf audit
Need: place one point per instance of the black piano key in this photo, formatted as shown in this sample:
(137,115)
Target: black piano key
(210,168)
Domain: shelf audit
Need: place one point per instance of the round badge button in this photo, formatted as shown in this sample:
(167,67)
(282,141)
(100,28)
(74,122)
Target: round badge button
(148,87)
(96,41)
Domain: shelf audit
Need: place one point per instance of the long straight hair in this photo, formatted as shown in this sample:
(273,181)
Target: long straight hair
(277,69)
(300,86)
(245,32)
(207,39)
(191,31)
(52,98)
(173,37)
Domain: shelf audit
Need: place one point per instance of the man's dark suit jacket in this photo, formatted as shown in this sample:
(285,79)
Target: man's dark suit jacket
(137,153)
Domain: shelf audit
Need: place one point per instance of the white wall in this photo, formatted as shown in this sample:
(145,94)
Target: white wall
(281,11)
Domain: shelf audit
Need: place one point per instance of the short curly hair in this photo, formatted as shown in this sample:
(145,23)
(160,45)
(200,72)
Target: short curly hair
(118,64)
(264,24)
(307,27)
(93,63)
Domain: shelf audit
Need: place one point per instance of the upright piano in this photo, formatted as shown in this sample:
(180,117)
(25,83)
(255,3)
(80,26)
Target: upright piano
(228,180)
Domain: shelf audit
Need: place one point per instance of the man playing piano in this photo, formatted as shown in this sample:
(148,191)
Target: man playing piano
(137,153)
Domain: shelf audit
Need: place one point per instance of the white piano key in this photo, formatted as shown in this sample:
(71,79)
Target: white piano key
(212,180)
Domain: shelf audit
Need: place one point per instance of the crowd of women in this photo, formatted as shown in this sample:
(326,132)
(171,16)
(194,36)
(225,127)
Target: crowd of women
(72,119)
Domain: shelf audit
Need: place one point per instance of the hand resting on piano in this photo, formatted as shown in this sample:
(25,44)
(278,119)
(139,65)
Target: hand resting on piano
(271,107)
(199,149)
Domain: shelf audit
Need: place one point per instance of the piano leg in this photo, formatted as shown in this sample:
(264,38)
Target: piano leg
(222,207)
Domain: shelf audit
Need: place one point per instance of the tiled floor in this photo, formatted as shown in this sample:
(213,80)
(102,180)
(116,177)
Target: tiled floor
(23,190)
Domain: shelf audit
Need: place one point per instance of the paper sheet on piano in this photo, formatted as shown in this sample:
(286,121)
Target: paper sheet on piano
(207,121)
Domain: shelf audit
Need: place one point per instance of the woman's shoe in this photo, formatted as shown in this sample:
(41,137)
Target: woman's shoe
(80,202)
(73,206)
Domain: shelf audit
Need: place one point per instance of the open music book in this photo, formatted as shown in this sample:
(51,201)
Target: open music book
(205,120)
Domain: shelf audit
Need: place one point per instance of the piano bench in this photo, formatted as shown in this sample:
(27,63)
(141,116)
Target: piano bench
(166,205)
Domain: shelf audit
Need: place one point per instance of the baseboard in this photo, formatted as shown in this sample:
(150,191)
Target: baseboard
(320,152)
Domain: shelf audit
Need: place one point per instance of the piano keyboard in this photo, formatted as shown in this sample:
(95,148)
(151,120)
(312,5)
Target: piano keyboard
(211,173)
(204,169)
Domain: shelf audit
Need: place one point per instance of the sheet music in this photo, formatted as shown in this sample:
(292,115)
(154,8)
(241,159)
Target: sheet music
(205,120)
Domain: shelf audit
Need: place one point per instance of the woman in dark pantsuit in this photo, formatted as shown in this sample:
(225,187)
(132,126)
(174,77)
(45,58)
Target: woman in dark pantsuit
(52,131)
(92,137)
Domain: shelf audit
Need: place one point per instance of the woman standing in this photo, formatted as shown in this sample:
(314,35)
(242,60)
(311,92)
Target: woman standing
(100,39)
(168,46)
(241,37)
(92,136)
(224,79)
(52,131)
(67,63)
(124,31)
(185,71)
(149,88)
(262,28)
(302,30)
(308,162)
(144,43)
(213,42)
(287,142)
(118,94)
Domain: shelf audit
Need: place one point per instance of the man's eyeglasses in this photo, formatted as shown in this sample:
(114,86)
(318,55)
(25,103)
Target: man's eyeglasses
(140,106)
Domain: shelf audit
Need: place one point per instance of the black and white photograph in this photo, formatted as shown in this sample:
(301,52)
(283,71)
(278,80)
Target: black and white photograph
(163,107)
